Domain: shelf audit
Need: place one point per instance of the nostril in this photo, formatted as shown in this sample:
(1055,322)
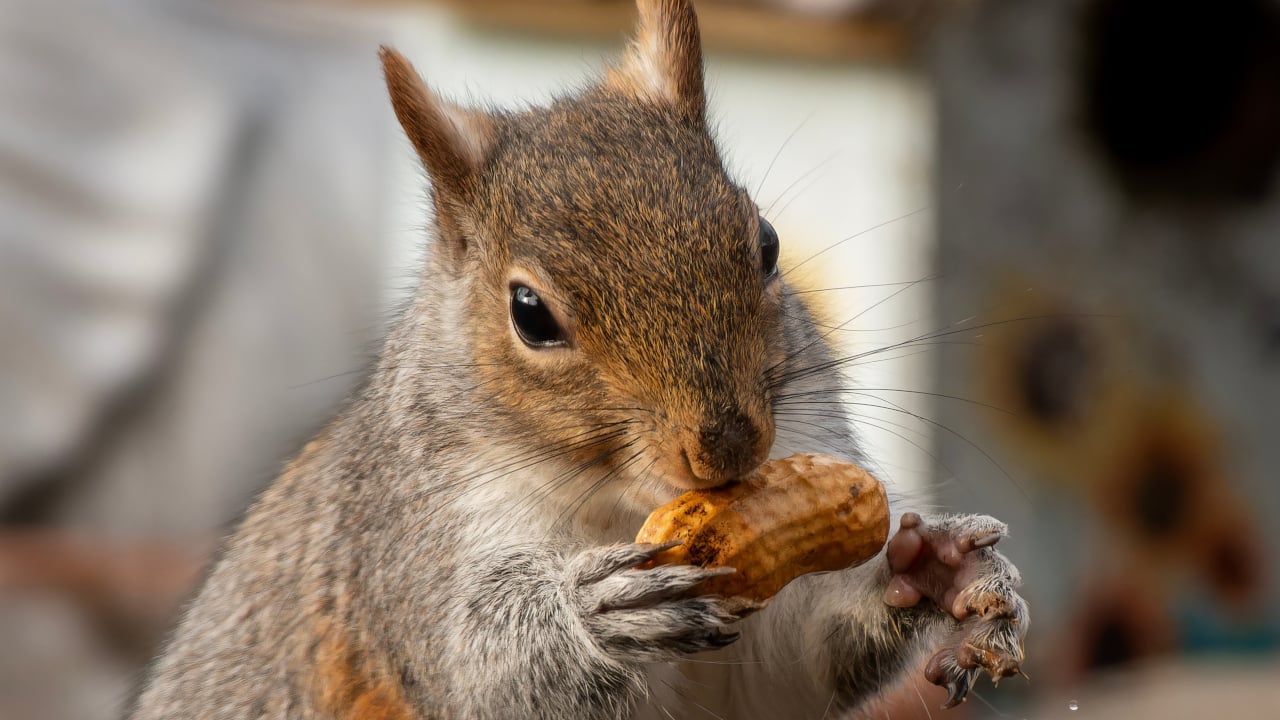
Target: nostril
(726,449)
(732,432)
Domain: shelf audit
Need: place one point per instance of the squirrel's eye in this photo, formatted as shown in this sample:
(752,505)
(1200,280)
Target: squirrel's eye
(534,323)
(768,249)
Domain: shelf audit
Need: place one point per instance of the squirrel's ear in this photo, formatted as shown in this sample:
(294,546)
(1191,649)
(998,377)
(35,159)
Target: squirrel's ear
(451,141)
(664,61)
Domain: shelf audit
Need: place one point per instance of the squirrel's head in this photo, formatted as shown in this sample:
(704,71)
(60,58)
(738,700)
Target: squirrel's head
(620,292)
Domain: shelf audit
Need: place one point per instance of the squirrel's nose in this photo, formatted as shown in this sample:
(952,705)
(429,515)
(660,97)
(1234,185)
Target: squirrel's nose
(727,449)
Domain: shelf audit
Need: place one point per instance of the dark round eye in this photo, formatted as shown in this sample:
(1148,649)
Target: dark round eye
(534,323)
(768,249)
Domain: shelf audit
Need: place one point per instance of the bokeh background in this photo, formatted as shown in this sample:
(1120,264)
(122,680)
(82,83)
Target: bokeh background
(1044,233)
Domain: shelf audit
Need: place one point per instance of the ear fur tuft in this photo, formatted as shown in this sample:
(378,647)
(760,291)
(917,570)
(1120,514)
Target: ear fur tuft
(451,141)
(664,62)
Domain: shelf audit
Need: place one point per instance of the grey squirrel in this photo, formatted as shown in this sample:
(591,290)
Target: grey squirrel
(600,325)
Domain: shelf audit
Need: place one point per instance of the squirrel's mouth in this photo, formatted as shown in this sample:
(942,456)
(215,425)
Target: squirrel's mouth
(665,488)
(665,492)
(677,484)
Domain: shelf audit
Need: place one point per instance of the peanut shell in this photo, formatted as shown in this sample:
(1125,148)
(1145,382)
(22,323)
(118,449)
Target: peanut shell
(797,515)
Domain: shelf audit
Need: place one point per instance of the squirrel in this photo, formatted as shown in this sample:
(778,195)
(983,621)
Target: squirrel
(600,324)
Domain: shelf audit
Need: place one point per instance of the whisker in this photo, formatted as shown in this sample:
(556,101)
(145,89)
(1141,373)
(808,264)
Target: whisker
(833,444)
(643,477)
(928,713)
(869,390)
(594,436)
(549,488)
(858,234)
(830,702)
(788,188)
(950,431)
(778,154)
(880,424)
(945,331)
(842,328)
(867,286)
(824,336)
(986,702)
(374,367)
(595,487)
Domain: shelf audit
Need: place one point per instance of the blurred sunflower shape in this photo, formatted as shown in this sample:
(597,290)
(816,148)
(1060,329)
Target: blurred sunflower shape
(1064,378)
(1169,493)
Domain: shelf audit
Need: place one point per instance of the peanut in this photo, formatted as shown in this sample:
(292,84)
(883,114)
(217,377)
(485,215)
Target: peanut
(797,515)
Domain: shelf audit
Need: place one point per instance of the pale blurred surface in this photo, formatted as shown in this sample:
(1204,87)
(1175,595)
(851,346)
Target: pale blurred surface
(192,234)
(1174,691)
(192,253)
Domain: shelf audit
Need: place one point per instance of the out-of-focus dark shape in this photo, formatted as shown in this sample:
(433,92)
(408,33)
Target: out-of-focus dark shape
(1108,213)
(190,274)
(1119,623)
(1184,98)
(1053,372)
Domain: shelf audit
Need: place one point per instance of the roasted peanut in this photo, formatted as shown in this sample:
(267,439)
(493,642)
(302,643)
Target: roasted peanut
(797,515)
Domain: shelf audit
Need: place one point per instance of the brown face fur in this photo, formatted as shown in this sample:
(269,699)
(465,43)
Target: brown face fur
(615,208)
(650,256)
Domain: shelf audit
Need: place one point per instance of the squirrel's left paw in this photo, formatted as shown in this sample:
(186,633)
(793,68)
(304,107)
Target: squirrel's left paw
(648,614)
(951,561)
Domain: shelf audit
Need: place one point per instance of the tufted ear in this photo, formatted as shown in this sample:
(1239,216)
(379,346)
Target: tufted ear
(664,62)
(453,142)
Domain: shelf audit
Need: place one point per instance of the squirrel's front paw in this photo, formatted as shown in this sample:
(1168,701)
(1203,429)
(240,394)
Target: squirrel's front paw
(951,561)
(646,614)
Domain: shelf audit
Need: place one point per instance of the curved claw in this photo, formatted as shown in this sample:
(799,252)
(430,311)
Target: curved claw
(723,639)
(969,544)
(958,688)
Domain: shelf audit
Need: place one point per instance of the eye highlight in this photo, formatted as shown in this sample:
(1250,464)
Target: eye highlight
(769,248)
(533,320)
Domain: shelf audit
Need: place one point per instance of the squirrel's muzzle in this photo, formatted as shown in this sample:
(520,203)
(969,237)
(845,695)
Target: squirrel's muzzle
(726,449)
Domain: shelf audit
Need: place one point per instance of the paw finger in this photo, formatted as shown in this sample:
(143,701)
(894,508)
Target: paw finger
(991,599)
(965,534)
(599,563)
(902,593)
(713,639)
(1003,636)
(995,647)
(904,547)
(668,622)
(997,665)
(637,588)
(665,632)
(982,600)
(986,587)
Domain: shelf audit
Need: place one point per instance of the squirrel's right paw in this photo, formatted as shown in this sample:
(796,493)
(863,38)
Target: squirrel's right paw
(646,614)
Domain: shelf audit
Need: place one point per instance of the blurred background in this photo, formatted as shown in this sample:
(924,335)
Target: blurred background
(1044,231)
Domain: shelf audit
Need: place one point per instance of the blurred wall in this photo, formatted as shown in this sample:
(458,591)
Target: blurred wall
(1108,216)
(191,261)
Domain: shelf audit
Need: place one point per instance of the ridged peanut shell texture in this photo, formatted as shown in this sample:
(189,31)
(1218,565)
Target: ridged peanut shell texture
(797,515)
